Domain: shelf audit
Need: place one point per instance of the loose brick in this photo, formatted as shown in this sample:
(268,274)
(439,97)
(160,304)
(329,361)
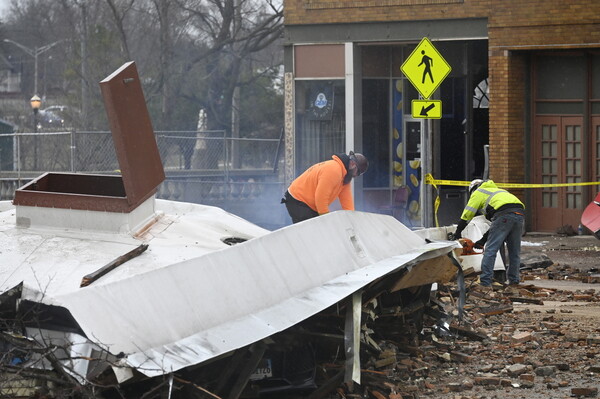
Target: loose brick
(527,377)
(487,380)
(516,369)
(588,392)
(521,337)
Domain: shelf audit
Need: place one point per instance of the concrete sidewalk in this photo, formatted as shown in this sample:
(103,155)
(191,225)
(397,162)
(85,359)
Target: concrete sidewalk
(552,241)
(581,252)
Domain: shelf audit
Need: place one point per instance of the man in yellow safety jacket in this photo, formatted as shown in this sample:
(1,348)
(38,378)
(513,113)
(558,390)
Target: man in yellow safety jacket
(507,214)
(311,193)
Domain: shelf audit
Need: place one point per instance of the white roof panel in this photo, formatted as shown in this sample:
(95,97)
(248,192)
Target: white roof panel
(189,297)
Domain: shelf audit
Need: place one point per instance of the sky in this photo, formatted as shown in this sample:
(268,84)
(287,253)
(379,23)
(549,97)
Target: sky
(4,5)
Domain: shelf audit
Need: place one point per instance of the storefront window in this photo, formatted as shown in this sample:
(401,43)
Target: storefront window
(560,78)
(320,121)
(566,75)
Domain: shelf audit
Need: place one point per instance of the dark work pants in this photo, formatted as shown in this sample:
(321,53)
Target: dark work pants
(506,227)
(298,210)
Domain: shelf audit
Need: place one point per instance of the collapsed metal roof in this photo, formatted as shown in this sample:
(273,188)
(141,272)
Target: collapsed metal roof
(190,297)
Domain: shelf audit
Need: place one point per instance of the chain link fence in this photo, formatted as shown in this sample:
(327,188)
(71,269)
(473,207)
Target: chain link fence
(240,175)
(181,151)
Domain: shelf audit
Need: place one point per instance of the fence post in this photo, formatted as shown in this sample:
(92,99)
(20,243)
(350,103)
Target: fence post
(72,151)
(225,159)
(18,137)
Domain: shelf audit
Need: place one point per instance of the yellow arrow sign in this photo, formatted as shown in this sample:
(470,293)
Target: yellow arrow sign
(426,109)
(425,68)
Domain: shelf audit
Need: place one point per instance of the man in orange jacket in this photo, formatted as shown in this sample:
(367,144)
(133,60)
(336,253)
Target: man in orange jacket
(314,190)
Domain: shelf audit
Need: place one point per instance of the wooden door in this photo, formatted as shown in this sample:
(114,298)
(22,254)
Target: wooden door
(558,154)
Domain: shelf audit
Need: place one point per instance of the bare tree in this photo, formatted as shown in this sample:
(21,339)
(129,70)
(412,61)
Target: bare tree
(193,55)
(233,31)
(119,11)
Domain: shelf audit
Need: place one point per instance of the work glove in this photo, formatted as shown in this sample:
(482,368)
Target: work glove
(479,244)
(459,228)
(453,236)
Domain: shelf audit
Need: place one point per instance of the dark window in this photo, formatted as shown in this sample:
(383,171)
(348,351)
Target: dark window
(376,131)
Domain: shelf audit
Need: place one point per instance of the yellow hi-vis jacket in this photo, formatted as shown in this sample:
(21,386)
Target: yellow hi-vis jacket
(488,199)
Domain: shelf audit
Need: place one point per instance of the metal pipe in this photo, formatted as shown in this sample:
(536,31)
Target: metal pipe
(486,166)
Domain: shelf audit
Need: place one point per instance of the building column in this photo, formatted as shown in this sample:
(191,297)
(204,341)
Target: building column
(289,119)
(508,72)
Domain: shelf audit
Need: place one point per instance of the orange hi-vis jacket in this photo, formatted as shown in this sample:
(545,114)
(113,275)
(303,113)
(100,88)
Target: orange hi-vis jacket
(321,184)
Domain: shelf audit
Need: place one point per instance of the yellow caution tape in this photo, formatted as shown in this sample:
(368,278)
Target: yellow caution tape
(436,206)
(430,180)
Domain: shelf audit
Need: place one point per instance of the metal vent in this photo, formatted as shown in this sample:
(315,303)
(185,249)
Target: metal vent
(233,240)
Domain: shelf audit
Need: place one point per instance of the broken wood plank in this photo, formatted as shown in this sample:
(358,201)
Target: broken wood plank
(196,386)
(328,386)
(255,353)
(388,361)
(526,300)
(495,310)
(465,332)
(90,278)
(461,357)
(399,311)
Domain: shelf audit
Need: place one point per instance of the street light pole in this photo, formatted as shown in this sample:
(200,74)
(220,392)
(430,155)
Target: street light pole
(34,53)
(35,102)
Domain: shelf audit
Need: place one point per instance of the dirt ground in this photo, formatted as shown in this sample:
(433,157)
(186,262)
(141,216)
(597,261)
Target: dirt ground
(546,345)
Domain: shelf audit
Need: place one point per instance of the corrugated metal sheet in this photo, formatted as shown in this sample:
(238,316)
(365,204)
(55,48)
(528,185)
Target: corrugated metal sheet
(190,297)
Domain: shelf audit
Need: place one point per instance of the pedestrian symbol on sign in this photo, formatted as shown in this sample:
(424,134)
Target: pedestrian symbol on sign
(428,62)
(425,68)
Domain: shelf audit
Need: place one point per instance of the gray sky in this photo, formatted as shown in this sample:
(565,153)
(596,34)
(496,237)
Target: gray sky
(3,7)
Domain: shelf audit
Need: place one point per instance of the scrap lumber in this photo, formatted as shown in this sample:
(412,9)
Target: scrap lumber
(332,384)
(495,310)
(255,354)
(466,332)
(534,301)
(90,278)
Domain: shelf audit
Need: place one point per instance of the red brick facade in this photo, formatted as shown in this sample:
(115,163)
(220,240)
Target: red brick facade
(300,12)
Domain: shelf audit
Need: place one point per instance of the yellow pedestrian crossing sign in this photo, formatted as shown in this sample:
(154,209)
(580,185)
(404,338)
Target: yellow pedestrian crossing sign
(426,109)
(425,68)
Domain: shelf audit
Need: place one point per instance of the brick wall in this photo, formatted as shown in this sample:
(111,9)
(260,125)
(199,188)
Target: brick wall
(519,22)
(298,12)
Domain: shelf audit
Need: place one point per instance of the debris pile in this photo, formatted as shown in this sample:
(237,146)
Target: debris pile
(514,342)
(502,344)
(414,345)
(563,272)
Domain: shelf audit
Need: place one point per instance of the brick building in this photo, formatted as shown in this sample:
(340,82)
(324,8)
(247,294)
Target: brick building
(524,82)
